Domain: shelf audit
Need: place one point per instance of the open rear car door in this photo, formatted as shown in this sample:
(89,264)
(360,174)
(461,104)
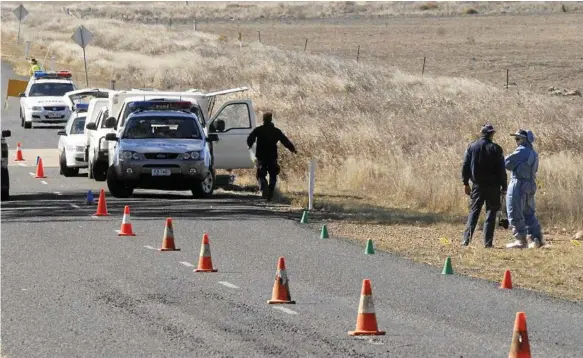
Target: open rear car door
(84,96)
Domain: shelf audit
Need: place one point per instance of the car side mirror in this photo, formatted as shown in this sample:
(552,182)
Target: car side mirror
(110,122)
(91,126)
(21,95)
(61,132)
(213,137)
(6,133)
(111,136)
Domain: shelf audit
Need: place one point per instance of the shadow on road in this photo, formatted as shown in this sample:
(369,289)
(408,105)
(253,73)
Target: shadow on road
(72,206)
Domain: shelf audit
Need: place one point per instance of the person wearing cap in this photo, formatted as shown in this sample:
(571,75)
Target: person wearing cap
(34,66)
(520,205)
(267,137)
(484,165)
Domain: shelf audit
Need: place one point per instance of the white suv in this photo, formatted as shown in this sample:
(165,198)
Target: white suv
(42,101)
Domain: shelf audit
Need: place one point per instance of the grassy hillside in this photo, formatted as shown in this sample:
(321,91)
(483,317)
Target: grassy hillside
(389,136)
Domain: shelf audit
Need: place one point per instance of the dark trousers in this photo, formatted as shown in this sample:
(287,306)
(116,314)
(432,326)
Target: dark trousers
(265,167)
(480,195)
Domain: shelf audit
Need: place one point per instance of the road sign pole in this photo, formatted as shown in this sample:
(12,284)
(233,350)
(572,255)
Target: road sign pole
(18,36)
(85,62)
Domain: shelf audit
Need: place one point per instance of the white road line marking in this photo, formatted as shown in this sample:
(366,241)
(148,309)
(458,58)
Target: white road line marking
(225,283)
(22,164)
(188,264)
(44,182)
(32,174)
(116,231)
(58,193)
(150,247)
(286,310)
(75,206)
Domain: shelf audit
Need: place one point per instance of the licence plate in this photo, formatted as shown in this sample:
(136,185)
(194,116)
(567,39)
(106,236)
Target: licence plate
(54,115)
(161,172)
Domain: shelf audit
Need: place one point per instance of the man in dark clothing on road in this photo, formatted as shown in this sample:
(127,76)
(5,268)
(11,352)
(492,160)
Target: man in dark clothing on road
(484,166)
(267,137)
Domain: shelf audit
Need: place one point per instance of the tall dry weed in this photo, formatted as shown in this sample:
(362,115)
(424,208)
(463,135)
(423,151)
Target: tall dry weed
(377,132)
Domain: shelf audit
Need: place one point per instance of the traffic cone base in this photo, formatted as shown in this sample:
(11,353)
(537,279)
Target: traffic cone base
(168,239)
(205,261)
(101,205)
(520,347)
(40,172)
(366,322)
(280,293)
(506,281)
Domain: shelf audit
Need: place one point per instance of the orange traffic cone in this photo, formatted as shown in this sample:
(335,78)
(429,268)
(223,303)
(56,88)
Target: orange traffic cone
(205,261)
(101,205)
(168,240)
(366,321)
(126,225)
(281,292)
(507,280)
(19,157)
(520,347)
(40,172)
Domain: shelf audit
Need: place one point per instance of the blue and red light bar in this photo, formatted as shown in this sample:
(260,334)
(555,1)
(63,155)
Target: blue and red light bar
(52,74)
(160,105)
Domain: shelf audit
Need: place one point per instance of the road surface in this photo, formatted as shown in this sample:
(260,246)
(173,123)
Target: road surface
(72,288)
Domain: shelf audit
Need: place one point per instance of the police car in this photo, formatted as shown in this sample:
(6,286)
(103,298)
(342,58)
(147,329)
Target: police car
(162,146)
(42,101)
(71,144)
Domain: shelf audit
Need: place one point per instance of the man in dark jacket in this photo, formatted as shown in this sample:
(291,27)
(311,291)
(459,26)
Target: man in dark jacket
(484,166)
(267,136)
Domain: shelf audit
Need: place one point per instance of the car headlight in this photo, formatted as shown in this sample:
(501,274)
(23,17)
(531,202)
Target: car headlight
(192,155)
(36,108)
(126,154)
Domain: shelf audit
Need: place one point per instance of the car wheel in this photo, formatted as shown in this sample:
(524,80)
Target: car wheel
(205,188)
(6,179)
(116,187)
(66,171)
(27,125)
(99,171)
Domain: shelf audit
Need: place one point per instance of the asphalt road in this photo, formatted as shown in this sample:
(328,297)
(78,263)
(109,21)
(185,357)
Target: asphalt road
(72,288)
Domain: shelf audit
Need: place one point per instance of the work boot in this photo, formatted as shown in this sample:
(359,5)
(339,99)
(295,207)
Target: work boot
(517,244)
(535,243)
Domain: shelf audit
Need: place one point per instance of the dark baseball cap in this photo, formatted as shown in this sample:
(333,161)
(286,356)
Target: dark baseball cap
(488,128)
(520,133)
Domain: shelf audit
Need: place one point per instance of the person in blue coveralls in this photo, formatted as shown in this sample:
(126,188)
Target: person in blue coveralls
(520,205)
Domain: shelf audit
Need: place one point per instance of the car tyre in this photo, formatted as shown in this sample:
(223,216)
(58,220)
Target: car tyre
(5,195)
(66,171)
(5,179)
(205,188)
(116,187)
(27,125)
(99,171)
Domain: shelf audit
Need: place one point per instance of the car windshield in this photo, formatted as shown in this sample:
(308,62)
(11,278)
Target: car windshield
(50,89)
(78,125)
(161,127)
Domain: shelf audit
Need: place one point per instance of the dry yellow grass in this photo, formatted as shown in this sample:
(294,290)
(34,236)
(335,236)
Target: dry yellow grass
(393,139)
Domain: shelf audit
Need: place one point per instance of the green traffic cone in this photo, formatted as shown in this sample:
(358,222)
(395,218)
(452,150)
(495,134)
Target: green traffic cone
(304,217)
(324,233)
(369,250)
(447,269)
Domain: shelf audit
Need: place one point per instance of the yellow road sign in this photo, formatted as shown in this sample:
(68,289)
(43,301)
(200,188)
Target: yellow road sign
(15,87)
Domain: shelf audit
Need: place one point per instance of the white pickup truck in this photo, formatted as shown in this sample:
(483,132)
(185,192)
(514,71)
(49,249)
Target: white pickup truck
(232,123)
